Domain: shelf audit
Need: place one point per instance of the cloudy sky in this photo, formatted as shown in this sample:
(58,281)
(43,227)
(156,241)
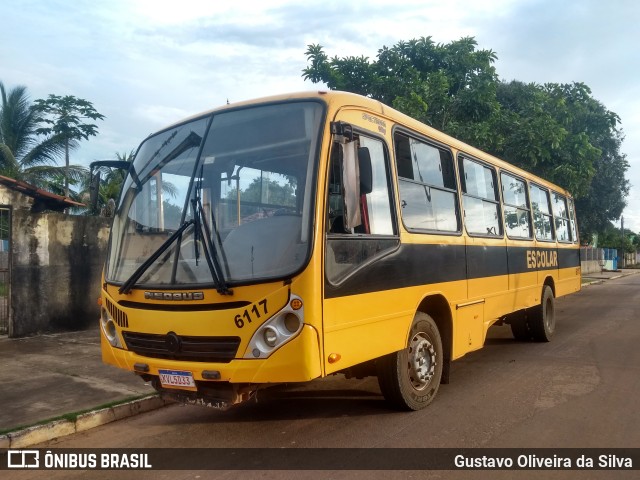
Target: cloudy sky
(147,63)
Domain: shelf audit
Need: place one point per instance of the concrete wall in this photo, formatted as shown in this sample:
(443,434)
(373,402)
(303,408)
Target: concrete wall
(590,266)
(14,199)
(592,260)
(57,262)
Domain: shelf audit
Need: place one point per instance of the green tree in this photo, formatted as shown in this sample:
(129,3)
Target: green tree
(560,132)
(611,237)
(451,87)
(542,129)
(24,155)
(67,117)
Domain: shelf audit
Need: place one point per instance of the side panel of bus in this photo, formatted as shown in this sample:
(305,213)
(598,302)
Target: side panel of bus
(363,315)
(495,263)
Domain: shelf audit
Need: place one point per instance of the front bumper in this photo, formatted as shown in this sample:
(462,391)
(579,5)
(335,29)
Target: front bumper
(296,361)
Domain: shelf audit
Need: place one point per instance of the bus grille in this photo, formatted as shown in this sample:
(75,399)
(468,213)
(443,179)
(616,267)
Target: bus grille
(118,315)
(174,347)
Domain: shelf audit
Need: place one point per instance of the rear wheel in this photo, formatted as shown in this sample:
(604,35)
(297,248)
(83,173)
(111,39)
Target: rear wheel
(542,319)
(409,379)
(519,327)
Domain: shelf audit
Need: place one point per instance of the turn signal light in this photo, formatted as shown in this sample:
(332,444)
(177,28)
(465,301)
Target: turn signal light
(296,304)
(334,357)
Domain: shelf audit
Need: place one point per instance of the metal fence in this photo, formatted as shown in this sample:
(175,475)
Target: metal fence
(606,258)
(590,254)
(631,259)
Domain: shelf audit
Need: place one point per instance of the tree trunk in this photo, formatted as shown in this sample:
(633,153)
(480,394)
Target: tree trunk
(66,168)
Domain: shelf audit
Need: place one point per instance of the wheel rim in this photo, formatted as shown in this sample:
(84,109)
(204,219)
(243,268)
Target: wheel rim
(422,361)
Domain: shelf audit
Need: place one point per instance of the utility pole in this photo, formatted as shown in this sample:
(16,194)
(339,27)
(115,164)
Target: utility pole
(622,263)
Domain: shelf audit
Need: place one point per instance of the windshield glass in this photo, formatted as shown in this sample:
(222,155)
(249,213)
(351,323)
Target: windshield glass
(242,181)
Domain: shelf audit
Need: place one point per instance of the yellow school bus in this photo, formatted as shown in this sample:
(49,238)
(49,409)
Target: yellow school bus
(289,238)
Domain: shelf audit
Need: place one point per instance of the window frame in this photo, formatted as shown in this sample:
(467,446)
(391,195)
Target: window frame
(527,205)
(359,236)
(494,171)
(550,214)
(441,147)
(567,218)
(573,220)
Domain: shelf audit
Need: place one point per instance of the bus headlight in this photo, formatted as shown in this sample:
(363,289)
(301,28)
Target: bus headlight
(109,328)
(291,322)
(283,327)
(270,336)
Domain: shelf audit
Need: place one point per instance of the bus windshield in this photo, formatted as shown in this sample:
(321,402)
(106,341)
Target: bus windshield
(222,199)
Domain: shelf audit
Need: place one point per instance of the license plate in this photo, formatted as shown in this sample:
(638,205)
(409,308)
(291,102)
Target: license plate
(177,379)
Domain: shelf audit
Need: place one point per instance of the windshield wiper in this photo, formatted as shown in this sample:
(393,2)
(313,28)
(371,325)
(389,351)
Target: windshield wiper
(131,281)
(210,252)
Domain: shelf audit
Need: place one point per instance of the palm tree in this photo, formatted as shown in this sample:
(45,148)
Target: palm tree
(24,155)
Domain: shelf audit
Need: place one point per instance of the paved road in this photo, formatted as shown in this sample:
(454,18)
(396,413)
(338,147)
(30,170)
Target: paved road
(581,390)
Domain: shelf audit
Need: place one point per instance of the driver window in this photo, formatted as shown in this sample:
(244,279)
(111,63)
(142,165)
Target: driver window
(375,206)
(376,233)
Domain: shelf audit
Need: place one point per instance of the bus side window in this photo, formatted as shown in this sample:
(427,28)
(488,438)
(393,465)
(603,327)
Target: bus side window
(427,186)
(480,198)
(516,207)
(572,220)
(541,213)
(561,217)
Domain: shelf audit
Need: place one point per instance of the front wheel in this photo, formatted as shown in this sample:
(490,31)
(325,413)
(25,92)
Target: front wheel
(409,379)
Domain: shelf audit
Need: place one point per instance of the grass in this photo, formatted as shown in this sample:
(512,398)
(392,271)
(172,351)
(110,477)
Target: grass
(72,417)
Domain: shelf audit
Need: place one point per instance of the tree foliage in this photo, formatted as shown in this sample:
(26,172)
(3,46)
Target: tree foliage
(611,237)
(67,116)
(446,86)
(24,153)
(557,131)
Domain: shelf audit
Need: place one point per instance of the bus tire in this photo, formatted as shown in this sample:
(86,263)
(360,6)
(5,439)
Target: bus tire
(409,379)
(520,328)
(542,319)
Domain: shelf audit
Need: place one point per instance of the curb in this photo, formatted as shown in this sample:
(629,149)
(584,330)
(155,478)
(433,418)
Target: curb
(602,280)
(60,428)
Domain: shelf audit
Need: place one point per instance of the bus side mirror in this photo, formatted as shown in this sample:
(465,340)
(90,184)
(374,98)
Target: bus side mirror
(94,179)
(366,172)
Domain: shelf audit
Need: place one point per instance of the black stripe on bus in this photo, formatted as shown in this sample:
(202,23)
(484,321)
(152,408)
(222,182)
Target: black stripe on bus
(415,264)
